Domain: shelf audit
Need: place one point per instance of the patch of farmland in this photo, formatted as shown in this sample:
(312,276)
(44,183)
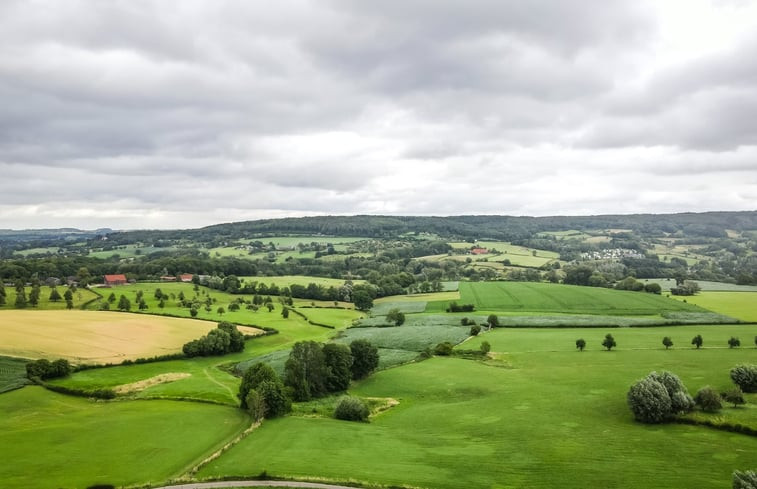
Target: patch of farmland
(80,297)
(12,373)
(740,305)
(417,334)
(705,285)
(554,298)
(94,337)
(304,280)
(383,308)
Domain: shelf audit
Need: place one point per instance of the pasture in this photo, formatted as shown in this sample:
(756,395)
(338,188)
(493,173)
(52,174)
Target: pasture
(48,441)
(534,419)
(287,280)
(80,297)
(93,336)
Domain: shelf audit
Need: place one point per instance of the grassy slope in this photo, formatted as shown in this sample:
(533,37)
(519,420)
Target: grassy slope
(80,297)
(51,441)
(740,305)
(536,424)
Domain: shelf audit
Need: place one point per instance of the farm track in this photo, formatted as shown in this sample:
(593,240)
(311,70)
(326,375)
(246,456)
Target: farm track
(216,381)
(253,483)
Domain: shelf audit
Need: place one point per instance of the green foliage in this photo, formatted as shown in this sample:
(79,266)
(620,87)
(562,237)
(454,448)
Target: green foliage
(746,479)
(708,399)
(338,359)
(12,373)
(734,396)
(667,342)
(124,304)
(226,338)
(734,342)
(396,316)
(658,397)
(653,288)
(581,344)
(253,377)
(362,299)
(34,296)
(475,330)
(365,358)
(492,320)
(443,349)
(609,342)
(485,347)
(745,376)
(277,402)
(45,369)
(351,409)
(649,401)
(305,371)
(697,341)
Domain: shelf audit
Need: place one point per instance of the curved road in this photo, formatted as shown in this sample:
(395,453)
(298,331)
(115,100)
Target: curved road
(224,484)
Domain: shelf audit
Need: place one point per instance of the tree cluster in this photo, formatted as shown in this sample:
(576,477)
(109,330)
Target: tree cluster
(226,338)
(45,369)
(657,398)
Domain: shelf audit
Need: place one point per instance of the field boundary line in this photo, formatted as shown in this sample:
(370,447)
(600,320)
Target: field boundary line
(254,482)
(241,436)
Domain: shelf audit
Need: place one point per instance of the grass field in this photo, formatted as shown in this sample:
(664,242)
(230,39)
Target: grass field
(92,336)
(554,298)
(707,286)
(49,441)
(518,255)
(741,305)
(537,423)
(80,297)
(304,280)
(12,373)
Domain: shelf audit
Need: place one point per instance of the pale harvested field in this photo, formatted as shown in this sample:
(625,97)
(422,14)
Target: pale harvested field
(95,336)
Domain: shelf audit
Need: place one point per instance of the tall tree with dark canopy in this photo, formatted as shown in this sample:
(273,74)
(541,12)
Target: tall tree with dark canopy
(338,358)
(305,371)
(365,358)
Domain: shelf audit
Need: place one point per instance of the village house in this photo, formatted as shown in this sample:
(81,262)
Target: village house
(186,277)
(479,251)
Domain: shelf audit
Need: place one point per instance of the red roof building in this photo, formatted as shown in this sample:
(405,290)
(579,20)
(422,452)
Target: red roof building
(479,251)
(111,280)
(186,277)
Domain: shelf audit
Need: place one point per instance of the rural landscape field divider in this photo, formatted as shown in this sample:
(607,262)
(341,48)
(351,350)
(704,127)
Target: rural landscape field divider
(303,316)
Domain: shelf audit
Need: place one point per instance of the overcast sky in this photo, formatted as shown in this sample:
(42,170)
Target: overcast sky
(156,114)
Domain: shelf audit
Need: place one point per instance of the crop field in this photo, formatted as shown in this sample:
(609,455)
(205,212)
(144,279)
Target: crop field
(94,337)
(535,421)
(667,283)
(80,297)
(553,298)
(12,373)
(78,443)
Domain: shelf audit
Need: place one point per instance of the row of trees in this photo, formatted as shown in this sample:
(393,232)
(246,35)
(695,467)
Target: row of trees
(609,342)
(312,370)
(22,300)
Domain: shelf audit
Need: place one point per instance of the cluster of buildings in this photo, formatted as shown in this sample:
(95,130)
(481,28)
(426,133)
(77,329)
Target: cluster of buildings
(612,254)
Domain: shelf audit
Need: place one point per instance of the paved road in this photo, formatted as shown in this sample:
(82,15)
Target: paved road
(224,484)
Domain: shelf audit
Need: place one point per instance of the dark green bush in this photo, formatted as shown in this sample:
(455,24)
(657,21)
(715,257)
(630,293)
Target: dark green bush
(351,409)
(745,376)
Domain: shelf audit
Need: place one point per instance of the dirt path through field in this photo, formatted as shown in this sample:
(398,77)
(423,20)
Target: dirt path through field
(223,484)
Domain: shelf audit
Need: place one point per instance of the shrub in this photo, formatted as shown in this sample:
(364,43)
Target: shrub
(697,341)
(658,397)
(733,342)
(351,409)
(44,369)
(485,347)
(745,376)
(475,330)
(649,401)
(396,316)
(744,479)
(581,344)
(667,342)
(708,399)
(443,349)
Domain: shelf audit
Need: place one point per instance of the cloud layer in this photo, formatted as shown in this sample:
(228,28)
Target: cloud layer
(153,114)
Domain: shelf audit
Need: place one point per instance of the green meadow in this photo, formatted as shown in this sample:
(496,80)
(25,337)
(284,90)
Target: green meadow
(741,305)
(80,297)
(12,373)
(49,441)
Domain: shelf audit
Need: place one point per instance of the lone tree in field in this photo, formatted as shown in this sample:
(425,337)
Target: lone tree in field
(55,295)
(609,342)
(485,347)
(365,358)
(396,316)
(697,341)
(580,344)
(734,342)
(745,376)
(492,320)
(667,342)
